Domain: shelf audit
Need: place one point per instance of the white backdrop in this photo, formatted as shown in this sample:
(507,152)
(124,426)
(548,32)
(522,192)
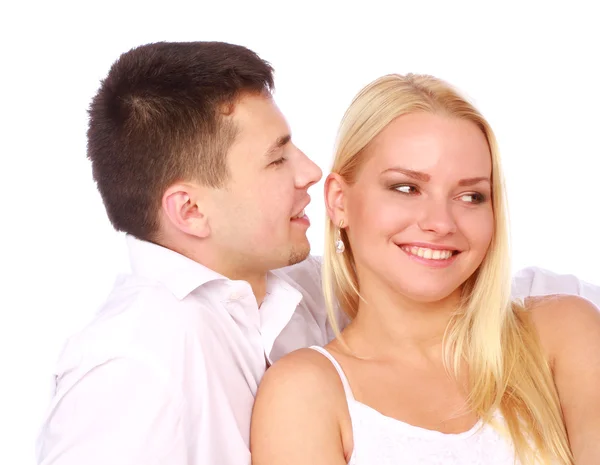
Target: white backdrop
(531,68)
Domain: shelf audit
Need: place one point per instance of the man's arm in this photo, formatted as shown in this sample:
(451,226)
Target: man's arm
(121,412)
(527,282)
(533,281)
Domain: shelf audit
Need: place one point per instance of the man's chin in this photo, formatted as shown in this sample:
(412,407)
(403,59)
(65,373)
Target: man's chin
(298,254)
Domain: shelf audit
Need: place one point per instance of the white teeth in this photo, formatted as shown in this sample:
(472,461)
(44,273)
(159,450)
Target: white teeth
(299,215)
(428,254)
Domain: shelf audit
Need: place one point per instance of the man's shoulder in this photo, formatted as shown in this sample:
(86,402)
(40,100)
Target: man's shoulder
(135,306)
(535,281)
(139,321)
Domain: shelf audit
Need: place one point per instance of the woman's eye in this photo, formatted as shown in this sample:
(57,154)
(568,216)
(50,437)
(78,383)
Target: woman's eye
(473,197)
(406,189)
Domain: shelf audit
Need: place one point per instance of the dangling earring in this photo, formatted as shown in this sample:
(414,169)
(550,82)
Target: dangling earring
(339,243)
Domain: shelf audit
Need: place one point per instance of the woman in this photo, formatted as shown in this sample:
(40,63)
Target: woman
(437,365)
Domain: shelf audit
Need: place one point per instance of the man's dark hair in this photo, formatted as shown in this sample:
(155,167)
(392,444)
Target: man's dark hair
(159,118)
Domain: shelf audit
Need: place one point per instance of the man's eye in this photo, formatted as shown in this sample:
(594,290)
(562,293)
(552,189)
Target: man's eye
(473,197)
(406,189)
(279,161)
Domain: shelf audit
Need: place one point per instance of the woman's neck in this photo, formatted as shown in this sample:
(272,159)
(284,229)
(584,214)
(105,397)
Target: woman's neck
(389,323)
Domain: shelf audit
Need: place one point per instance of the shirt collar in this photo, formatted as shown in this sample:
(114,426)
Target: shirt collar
(277,309)
(181,275)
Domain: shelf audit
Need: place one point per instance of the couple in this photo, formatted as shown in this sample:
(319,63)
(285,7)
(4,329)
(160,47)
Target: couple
(434,362)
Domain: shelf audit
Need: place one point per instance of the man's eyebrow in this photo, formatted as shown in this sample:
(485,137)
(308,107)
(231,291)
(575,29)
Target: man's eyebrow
(280,142)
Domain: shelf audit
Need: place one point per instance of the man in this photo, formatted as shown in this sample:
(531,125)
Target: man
(194,162)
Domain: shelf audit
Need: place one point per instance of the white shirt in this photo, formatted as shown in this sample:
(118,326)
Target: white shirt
(535,281)
(167,372)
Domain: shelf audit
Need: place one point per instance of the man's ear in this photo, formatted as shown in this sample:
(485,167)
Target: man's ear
(335,198)
(183,207)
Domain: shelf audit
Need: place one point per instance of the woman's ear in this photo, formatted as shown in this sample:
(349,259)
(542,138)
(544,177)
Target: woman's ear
(335,198)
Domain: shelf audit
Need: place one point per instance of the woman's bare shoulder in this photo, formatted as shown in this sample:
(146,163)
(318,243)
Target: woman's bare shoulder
(296,415)
(563,320)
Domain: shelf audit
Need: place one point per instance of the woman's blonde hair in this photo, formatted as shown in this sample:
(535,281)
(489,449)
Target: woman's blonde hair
(507,367)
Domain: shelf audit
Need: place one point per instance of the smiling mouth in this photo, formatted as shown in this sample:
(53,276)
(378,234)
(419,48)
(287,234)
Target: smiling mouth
(299,215)
(429,254)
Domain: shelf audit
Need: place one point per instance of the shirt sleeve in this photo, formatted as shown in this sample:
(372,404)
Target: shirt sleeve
(533,281)
(120,412)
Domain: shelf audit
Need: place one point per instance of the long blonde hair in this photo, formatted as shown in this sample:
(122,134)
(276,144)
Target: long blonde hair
(494,336)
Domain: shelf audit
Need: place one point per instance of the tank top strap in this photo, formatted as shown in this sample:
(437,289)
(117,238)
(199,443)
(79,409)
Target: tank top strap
(338,368)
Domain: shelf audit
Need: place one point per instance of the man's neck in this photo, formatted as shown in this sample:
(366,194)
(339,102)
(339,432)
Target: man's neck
(238,272)
(259,287)
(234,271)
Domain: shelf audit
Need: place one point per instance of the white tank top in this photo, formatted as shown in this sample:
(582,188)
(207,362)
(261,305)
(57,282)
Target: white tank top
(382,440)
